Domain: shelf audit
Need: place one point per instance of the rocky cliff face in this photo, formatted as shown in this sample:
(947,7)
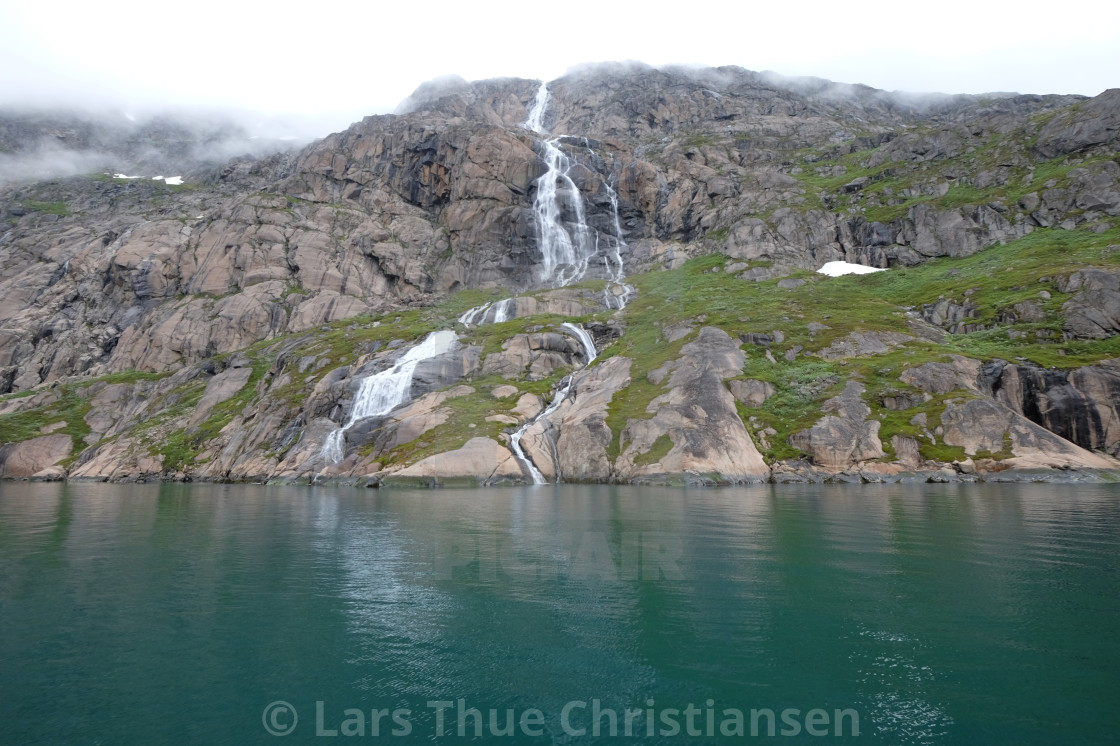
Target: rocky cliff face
(222,329)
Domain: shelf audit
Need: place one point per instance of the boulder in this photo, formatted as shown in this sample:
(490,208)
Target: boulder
(29,457)
(480,461)
(1093,314)
(222,387)
(843,439)
(857,344)
(750,392)
(537,355)
(943,378)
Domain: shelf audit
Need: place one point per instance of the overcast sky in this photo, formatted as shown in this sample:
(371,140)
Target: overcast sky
(335,61)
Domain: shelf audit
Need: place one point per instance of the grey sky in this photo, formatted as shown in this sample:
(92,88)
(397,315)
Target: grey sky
(331,63)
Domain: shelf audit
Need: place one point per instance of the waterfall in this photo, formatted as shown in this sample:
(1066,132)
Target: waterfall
(562,392)
(383,392)
(534,122)
(565,253)
(584,338)
(567,245)
(614,263)
(488,313)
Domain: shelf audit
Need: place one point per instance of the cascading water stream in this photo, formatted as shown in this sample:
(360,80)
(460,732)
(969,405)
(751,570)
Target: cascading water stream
(584,339)
(566,253)
(534,122)
(614,263)
(567,244)
(488,313)
(383,392)
(590,352)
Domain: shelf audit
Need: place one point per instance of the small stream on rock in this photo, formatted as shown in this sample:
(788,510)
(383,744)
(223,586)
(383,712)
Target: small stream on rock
(561,394)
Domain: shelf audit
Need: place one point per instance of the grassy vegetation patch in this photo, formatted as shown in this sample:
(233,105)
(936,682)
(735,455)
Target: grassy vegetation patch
(801,387)
(130,376)
(901,422)
(71,407)
(58,207)
(466,419)
(999,277)
(182,447)
(658,450)
(702,297)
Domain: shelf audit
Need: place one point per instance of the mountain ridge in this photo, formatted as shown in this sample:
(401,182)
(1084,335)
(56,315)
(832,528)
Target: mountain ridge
(219,330)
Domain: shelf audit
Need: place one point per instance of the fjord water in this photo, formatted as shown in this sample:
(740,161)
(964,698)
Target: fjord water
(179,613)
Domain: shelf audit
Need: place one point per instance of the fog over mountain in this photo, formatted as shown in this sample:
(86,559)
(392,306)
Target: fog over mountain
(219,55)
(42,143)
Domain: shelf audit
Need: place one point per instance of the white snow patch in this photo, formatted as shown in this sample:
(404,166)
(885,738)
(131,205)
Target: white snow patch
(122,176)
(172,180)
(835,269)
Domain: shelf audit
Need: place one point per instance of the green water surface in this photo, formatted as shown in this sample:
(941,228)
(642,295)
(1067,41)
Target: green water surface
(214,614)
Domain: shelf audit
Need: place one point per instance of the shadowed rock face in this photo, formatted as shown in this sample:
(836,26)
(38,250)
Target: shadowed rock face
(1094,124)
(1078,405)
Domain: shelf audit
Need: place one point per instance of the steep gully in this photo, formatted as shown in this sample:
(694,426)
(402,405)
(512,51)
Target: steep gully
(567,251)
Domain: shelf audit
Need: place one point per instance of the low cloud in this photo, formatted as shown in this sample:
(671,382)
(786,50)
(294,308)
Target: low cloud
(50,161)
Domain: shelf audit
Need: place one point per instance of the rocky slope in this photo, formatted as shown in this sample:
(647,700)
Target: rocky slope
(223,329)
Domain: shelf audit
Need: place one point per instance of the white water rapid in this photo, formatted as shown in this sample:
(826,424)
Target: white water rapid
(488,313)
(383,392)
